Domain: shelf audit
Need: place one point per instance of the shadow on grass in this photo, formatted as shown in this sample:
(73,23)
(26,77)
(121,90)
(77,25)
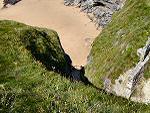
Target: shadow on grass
(43,49)
(51,55)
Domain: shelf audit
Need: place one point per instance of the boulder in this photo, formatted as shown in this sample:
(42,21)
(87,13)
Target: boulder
(11,2)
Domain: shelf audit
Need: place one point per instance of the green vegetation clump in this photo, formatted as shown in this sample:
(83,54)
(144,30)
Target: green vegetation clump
(115,50)
(46,48)
(28,86)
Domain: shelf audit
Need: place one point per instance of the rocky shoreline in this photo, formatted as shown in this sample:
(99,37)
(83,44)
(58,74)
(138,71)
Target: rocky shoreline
(11,2)
(99,11)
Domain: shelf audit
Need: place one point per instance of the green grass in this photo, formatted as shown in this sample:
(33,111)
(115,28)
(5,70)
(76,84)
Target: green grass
(26,85)
(115,50)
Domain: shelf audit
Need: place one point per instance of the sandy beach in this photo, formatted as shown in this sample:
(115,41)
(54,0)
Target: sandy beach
(1,3)
(75,30)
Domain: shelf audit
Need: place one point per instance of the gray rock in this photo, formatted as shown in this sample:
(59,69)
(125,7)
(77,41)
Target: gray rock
(131,78)
(11,2)
(102,10)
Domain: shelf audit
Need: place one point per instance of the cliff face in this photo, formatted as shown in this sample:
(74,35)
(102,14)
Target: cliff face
(114,63)
(99,11)
(127,83)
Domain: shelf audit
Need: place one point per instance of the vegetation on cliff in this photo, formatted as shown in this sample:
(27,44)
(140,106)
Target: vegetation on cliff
(27,85)
(115,50)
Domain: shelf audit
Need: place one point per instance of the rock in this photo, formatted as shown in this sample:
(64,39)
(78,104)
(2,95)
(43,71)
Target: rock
(102,10)
(127,83)
(11,2)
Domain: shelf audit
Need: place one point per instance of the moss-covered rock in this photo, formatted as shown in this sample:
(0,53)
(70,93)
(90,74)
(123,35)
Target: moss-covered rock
(115,50)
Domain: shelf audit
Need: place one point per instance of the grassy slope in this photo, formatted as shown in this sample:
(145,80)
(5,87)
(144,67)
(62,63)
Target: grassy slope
(115,50)
(26,86)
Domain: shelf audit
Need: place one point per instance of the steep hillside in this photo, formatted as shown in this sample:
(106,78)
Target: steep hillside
(27,85)
(115,50)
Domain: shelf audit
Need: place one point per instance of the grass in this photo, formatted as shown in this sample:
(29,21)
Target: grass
(115,50)
(27,86)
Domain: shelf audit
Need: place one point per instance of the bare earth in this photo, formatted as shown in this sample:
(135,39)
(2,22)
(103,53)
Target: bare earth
(74,28)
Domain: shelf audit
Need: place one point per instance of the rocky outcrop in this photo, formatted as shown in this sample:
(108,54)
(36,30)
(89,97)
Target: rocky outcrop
(11,2)
(127,83)
(142,91)
(99,11)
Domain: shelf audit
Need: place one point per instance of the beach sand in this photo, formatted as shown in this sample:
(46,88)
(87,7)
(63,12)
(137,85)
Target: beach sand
(75,30)
(1,3)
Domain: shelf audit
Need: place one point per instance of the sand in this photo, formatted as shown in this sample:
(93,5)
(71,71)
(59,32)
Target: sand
(75,30)
(1,3)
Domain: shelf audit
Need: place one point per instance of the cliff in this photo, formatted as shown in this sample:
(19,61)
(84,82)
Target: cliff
(114,59)
(27,84)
